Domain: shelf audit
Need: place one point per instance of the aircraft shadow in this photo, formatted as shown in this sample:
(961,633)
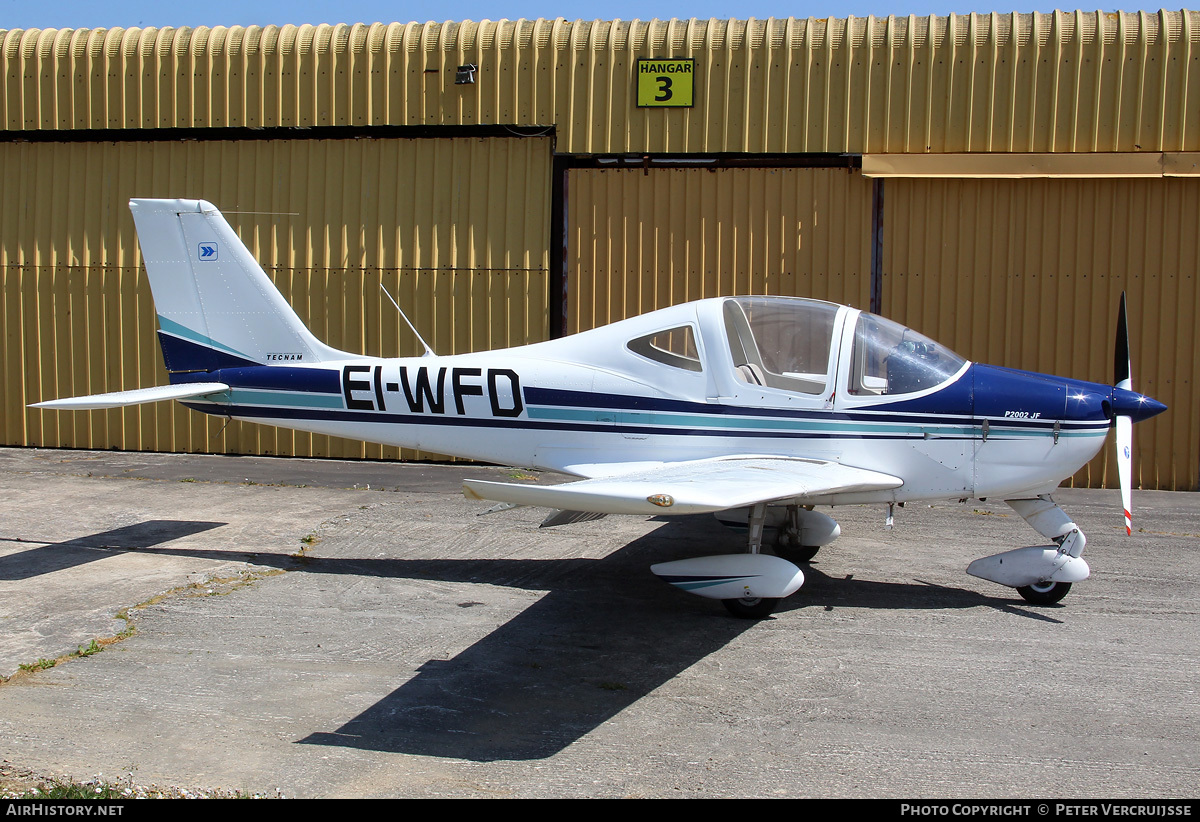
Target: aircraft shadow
(58,556)
(605,635)
(822,590)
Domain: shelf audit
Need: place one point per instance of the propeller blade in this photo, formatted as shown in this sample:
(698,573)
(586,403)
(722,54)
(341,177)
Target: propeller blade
(1125,466)
(1122,365)
(1123,378)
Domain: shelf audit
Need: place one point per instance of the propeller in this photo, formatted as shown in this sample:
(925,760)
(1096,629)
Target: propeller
(1123,379)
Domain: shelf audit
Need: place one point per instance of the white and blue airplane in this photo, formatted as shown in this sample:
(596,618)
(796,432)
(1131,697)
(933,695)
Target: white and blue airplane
(754,408)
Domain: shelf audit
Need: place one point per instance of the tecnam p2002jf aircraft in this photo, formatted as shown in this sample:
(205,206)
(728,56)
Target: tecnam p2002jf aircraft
(761,407)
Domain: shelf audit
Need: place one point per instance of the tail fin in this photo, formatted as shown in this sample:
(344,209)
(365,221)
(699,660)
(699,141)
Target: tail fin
(216,307)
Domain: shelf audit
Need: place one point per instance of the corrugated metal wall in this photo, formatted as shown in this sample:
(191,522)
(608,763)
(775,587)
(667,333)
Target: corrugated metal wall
(641,240)
(1022,273)
(455,229)
(1064,81)
(1028,274)
(1053,254)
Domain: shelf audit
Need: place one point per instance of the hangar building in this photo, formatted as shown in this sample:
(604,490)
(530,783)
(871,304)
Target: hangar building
(993,180)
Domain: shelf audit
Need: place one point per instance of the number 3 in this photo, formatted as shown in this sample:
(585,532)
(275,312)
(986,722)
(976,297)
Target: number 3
(664,87)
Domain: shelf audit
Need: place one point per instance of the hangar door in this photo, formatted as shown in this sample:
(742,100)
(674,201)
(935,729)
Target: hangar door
(455,228)
(1028,273)
(645,238)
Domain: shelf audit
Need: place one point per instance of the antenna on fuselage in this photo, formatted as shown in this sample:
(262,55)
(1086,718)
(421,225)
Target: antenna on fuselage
(428,350)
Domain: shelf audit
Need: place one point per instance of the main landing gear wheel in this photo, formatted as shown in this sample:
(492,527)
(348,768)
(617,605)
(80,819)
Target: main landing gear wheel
(796,553)
(1044,593)
(787,542)
(751,607)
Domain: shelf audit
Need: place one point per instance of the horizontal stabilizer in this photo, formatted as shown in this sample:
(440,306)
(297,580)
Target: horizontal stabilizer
(138,396)
(693,487)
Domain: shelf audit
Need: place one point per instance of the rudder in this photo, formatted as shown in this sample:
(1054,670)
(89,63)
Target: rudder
(216,306)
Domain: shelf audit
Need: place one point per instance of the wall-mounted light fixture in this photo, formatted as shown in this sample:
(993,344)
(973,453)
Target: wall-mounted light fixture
(465,76)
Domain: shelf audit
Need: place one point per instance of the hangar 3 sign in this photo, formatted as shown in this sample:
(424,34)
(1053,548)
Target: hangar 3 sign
(665,82)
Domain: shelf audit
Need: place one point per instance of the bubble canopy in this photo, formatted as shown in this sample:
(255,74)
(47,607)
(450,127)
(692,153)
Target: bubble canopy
(792,344)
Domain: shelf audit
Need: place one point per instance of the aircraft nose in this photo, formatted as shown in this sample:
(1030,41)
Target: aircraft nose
(1136,406)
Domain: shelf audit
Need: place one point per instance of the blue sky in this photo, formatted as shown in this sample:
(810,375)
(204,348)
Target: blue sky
(16,14)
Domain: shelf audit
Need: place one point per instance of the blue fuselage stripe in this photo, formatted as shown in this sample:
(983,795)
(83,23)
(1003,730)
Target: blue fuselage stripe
(281,392)
(300,406)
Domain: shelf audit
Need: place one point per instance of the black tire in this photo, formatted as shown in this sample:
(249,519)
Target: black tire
(799,553)
(751,607)
(787,546)
(1044,593)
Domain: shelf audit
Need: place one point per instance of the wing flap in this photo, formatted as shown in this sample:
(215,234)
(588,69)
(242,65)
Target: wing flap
(693,487)
(138,396)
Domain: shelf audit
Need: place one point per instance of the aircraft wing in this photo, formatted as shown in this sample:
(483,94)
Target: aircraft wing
(692,487)
(120,399)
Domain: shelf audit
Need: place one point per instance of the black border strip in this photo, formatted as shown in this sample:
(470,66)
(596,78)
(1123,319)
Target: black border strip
(558,239)
(877,246)
(644,160)
(217,133)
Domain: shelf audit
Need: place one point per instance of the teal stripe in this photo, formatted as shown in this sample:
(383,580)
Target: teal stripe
(715,423)
(254,396)
(172,327)
(694,421)
(722,421)
(1038,432)
(692,586)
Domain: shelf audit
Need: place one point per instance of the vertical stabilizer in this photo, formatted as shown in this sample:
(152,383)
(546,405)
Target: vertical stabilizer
(216,307)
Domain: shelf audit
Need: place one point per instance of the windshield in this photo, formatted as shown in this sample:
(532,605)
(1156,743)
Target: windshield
(889,358)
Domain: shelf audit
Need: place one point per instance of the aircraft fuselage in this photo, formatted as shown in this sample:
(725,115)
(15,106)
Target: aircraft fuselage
(990,432)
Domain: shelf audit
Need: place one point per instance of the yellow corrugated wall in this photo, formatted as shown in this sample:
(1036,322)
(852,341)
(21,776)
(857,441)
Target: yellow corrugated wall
(1029,273)
(454,228)
(1044,84)
(1061,81)
(640,240)
(1020,273)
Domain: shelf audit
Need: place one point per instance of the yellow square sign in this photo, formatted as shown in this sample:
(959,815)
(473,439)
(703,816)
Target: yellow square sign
(665,82)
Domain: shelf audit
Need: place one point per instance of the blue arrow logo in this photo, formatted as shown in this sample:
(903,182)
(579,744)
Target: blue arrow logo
(208,251)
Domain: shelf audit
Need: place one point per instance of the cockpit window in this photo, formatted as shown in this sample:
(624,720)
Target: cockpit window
(781,343)
(675,347)
(890,359)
